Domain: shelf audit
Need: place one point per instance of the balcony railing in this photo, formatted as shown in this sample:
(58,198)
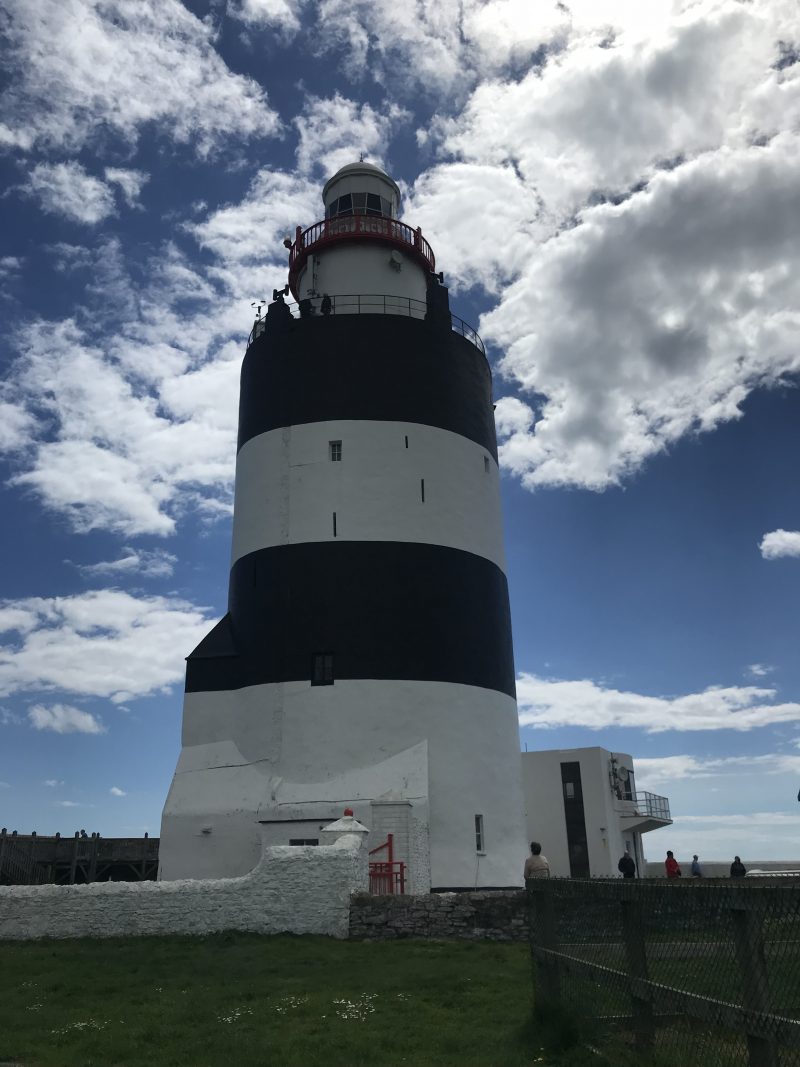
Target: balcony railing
(654,806)
(368,304)
(353,228)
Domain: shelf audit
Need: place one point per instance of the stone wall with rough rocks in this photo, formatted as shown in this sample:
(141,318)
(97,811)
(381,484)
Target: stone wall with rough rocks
(477,916)
(299,890)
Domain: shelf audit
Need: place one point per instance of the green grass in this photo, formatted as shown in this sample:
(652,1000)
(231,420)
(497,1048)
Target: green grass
(238,999)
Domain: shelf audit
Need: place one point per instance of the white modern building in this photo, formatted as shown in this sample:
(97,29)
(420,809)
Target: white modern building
(365,659)
(583,807)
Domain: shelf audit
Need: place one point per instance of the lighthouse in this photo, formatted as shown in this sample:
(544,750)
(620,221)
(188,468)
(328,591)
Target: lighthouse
(365,658)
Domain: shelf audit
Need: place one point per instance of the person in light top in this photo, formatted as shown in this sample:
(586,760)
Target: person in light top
(536,865)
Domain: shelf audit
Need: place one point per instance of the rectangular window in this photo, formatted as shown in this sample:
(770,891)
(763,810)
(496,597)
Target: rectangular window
(406,440)
(422,489)
(322,668)
(304,841)
(479,842)
(335,451)
(334,524)
(486,464)
(569,790)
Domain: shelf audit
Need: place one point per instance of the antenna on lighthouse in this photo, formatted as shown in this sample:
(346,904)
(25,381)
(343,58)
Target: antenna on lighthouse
(258,304)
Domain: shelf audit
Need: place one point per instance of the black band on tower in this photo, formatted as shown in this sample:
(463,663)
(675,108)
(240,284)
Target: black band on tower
(382,609)
(378,367)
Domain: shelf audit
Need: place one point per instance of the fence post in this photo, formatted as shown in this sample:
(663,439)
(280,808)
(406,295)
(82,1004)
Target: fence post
(93,858)
(752,961)
(543,935)
(3,834)
(73,863)
(635,951)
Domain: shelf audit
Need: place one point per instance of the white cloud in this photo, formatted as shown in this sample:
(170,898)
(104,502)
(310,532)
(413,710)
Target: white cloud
(275,14)
(334,131)
(64,719)
(71,804)
(115,791)
(135,562)
(67,189)
(102,643)
(131,182)
(760,670)
(9,266)
(16,426)
(53,783)
(780,543)
(758,835)
(547,703)
(661,770)
(80,66)
(647,247)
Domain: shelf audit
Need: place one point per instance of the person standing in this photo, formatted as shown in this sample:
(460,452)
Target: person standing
(738,869)
(696,872)
(672,867)
(627,865)
(536,865)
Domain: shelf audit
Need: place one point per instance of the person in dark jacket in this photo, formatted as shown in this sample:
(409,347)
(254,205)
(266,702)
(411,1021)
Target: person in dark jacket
(738,869)
(627,866)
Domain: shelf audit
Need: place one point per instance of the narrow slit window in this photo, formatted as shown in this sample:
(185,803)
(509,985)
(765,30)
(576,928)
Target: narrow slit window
(334,524)
(335,451)
(322,668)
(303,840)
(422,489)
(479,839)
(406,440)
(486,464)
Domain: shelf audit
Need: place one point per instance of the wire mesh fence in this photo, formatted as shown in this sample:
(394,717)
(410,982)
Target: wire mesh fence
(683,972)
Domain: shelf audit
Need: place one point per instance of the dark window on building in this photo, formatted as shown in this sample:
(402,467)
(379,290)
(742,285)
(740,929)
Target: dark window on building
(335,451)
(322,668)
(479,840)
(334,524)
(386,207)
(406,440)
(373,204)
(304,841)
(486,464)
(345,205)
(359,202)
(422,489)
(577,845)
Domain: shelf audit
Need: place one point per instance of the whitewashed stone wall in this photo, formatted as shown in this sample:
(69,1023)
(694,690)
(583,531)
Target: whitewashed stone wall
(299,890)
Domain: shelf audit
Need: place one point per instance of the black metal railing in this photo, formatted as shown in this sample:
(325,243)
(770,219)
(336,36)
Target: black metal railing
(368,304)
(653,805)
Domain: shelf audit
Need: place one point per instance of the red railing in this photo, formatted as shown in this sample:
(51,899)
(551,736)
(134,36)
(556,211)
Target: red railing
(353,228)
(386,877)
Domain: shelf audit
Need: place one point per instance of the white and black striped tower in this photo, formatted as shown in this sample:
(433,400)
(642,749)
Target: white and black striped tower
(366,655)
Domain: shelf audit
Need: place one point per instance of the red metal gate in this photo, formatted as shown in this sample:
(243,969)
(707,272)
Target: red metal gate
(386,877)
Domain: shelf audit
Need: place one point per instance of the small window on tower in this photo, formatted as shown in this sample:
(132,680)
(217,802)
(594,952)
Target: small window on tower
(373,204)
(322,668)
(359,203)
(345,205)
(335,451)
(486,464)
(386,207)
(479,842)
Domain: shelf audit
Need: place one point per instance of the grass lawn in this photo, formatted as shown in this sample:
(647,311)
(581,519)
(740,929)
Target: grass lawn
(239,999)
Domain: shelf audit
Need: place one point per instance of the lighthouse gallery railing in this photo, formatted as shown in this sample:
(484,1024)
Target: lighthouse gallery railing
(372,304)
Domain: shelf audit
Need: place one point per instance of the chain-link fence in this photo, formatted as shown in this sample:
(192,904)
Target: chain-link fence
(685,973)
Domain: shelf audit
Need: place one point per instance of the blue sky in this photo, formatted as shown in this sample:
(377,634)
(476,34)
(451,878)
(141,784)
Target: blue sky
(613,192)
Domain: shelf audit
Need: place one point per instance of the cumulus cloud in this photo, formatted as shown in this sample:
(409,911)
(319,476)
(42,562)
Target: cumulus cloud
(760,670)
(547,703)
(130,182)
(660,770)
(102,643)
(279,15)
(64,719)
(115,791)
(334,131)
(53,783)
(138,563)
(68,189)
(780,543)
(79,66)
(641,227)
(9,266)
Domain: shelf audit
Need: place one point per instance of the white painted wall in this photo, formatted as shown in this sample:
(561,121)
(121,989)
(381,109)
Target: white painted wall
(363,266)
(291,890)
(287,488)
(271,748)
(607,823)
